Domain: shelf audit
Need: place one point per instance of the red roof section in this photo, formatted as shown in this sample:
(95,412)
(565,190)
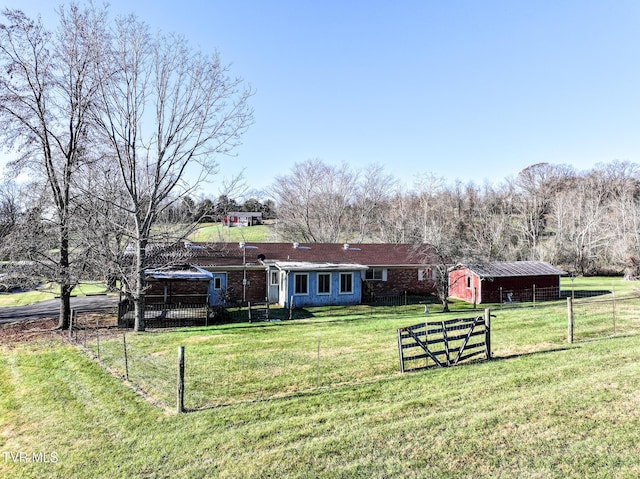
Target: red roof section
(370,254)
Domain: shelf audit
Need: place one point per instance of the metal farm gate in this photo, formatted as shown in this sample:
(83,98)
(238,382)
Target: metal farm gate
(444,343)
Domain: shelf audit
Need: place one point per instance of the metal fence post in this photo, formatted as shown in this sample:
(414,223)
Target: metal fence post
(569,320)
(98,338)
(126,359)
(180,392)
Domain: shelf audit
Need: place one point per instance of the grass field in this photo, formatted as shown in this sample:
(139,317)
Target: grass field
(541,409)
(216,232)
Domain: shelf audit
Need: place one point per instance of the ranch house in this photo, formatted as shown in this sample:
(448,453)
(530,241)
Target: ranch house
(500,282)
(242,218)
(291,274)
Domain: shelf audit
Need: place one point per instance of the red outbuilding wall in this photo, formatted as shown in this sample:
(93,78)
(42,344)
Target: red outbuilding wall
(463,283)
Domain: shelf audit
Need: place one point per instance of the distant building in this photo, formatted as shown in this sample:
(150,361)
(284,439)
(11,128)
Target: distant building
(242,218)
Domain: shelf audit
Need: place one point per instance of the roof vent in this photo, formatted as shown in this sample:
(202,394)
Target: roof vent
(241,244)
(345,246)
(295,245)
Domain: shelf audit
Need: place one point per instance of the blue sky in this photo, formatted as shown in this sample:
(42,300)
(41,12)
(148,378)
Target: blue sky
(467,90)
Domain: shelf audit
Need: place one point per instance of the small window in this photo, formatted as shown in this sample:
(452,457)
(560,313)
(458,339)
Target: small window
(301,283)
(468,281)
(425,274)
(375,274)
(346,283)
(324,283)
(217,283)
(274,278)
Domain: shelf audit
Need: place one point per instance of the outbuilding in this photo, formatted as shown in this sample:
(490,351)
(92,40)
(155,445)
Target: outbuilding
(503,282)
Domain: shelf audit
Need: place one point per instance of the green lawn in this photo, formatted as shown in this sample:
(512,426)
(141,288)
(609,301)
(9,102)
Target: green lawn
(540,409)
(215,232)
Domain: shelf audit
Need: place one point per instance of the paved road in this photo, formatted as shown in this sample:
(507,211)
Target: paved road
(51,308)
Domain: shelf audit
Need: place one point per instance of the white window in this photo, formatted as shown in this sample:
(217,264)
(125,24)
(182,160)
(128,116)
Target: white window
(274,278)
(301,283)
(324,283)
(425,274)
(376,274)
(346,283)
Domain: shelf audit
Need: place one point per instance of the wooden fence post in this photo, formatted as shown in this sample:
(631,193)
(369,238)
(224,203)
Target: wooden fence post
(291,308)
(569,320)
(487,332)
(400,352)
(180,398)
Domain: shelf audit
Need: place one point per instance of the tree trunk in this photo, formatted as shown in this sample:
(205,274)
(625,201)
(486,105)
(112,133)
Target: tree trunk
(139,294)
(65,286)
(65,306)
(445,305)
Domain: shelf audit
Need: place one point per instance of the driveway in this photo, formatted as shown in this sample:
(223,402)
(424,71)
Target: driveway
(51,308)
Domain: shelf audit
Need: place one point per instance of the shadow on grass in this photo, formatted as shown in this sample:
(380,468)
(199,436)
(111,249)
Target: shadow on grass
(584,293)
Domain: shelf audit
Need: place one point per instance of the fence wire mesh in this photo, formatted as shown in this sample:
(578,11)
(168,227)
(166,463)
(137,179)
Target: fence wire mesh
(225,365)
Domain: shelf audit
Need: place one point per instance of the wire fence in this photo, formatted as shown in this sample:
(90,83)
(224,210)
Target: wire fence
(230,364)
(175,315)
(602,316)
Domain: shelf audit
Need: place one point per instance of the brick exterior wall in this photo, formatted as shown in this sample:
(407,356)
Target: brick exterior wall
(178,291)
(399,281)
(255,291)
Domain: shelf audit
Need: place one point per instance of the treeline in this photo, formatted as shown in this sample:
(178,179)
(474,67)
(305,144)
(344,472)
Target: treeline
(587,222)
(209,210)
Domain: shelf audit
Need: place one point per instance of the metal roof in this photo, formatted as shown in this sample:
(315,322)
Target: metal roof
(512,269)
(191,272)
(305,266)
(369,254)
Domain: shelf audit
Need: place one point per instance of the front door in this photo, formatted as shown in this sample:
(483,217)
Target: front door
(217,289)
(283,288)
(273,278)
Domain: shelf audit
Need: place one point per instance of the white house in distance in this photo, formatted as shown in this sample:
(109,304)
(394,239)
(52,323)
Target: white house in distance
(242,218)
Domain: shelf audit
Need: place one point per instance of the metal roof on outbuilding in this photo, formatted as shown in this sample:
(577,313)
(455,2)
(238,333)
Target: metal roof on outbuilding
(512,269)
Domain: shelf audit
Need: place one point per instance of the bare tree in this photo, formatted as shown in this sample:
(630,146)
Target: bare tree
(11,207)
(314,202)
(166,111)
(46,88)
(537,185)
(372,195)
